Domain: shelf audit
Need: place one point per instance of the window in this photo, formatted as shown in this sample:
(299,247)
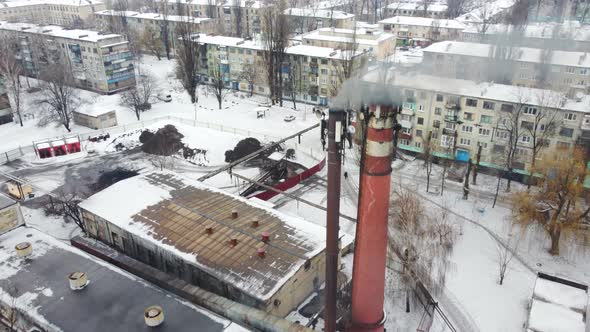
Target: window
(570,70)
(434,135)
(324,61)
(485,119)
(530,110)
(468,116)
(498,148)
(420,108)
(422,95)
(562,145)
(488,105)
(418,133)
(465,141)
(525,139)
(439,97)
(471,102)
(418,144)
(507,108)
(467,129)
(566,132)
(527,125)
(324,71)
(484,131)
(446,140)
(404,142)
(502,134)
(584,71)
(436,123)
(307,265)
(437,110)
(569,116)
(420,121)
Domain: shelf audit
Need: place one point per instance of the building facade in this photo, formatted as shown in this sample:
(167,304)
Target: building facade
(379,44)
(98,62)
(309,19)
(11,216)
(529,67)
(422,30)
(5,109)
(240,18)
(463,115)
(415,8)
(50,12)
(312,74)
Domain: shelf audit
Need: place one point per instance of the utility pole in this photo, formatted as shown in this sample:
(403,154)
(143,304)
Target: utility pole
(336,128)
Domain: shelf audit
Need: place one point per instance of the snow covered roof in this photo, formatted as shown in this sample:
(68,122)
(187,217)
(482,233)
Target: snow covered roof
(6,202)
(94,109)
(44,294)
(319,13)
(23,3)
(174,212)
(569,30)
(228,3)
(424,22)
(484,90)
(346,36)
(557,307)
(488,10)
(307,50)
(435,7)
(522,54)
(57,31)
(153,16)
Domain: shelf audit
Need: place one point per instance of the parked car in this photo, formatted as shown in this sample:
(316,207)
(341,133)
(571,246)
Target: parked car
(289,118)
(165,97)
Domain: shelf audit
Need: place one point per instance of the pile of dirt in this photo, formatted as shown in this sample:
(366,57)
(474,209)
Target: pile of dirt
(242,149)
(164,142)
(109,178)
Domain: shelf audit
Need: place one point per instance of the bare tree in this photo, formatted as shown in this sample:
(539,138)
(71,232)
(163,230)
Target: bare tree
(429,146)
(249,74)
(425,4)
(455,8)
(165,28)
(11,69)
(346,64)
(12,312)
(138,98)
(187,59)
(275,39)
(151,42)
(506,253)
(58,96)
(217,85)
(422,244)
(65,203)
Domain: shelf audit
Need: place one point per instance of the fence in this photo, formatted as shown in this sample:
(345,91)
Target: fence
(14,154)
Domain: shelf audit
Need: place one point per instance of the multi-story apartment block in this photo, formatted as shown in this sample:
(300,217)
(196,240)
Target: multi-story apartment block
(234,17)
(379,44)
(566,36)
(98,62)
(312,74)
(309,19)
(530,67)
(462,115)
(415,8)
(422,30)
(47,12)
(157,24)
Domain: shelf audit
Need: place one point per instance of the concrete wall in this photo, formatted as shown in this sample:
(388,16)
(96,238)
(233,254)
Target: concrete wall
(96,122)
(10,218)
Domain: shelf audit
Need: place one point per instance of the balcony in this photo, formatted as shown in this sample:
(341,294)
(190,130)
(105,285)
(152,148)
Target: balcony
(408,108)
(586,123)
(449,131)
(452,118)
(405,136)
(405,124)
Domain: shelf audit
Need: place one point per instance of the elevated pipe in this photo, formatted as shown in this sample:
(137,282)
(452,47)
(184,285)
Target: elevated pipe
(370,254)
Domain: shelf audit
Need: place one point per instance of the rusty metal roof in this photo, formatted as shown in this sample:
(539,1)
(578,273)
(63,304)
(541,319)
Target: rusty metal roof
(180,220)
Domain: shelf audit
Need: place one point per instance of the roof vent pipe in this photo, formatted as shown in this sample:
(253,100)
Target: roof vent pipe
(23,249)
(255,223)
(153,316)
(78,280)
(209,230)
(233,242)
(234,214)
(261,252)
(265,236)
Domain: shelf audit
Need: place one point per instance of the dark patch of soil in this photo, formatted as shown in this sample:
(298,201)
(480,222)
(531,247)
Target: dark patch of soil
(109,178)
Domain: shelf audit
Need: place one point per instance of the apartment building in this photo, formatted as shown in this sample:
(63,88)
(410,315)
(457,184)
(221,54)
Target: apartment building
(463,115)
(49,12)
(379,44)
(422,30)
(313,74)
(530,67)
(415,8)
(98,62)
(309,19)
(566,36)
(158,24)
(239,18)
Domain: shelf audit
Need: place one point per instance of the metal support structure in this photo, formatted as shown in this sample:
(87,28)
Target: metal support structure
(370,252)
(336,140)
(254,154)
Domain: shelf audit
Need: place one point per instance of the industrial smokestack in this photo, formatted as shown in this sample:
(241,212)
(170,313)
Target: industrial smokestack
(336,127)
(370,252)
